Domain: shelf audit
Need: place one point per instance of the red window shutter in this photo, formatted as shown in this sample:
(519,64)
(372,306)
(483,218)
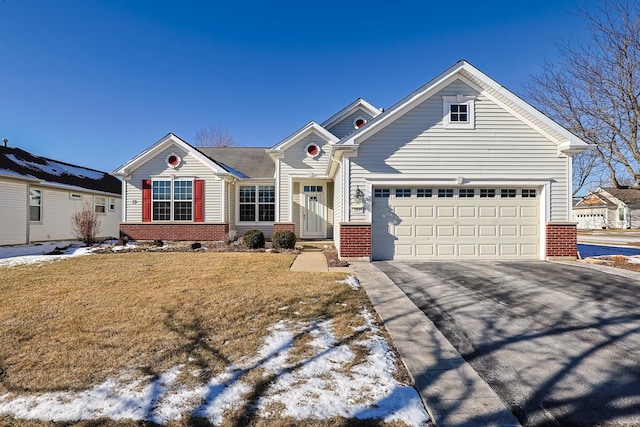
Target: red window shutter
(146,200)
(198,199)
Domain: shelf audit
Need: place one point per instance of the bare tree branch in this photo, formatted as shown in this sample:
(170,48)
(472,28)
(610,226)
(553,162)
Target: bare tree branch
(594,89)
(215,136)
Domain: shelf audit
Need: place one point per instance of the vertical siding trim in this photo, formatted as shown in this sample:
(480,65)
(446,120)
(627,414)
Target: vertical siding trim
(223,199)
(278,184)
(291,200)
(346,188)
(146,200)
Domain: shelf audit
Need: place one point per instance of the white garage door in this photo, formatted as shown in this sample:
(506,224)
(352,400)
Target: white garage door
(445,223)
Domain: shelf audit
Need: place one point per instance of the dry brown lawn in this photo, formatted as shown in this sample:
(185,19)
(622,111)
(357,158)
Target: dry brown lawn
(69,325)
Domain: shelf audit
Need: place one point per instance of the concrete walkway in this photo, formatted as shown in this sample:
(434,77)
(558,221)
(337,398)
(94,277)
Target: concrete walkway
(313,259)
(453,393)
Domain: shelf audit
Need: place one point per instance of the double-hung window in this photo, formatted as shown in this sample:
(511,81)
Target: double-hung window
(172,200)
(257,203)
(100,204)
(35,205)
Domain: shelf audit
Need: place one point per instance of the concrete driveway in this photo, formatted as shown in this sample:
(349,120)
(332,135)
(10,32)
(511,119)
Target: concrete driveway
(558,343)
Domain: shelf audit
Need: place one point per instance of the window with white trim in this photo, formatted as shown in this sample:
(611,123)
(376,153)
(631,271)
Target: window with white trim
(172,200)
(35,205)
(466,192)
(112,204)
(508,193)
(424,192)
(381,193)
(445,192)
(529,193)
(100,204)
(458,112)
(403,192)
(487,193)
(257,203)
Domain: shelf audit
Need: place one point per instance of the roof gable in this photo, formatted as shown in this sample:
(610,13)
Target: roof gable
(166,141)
(468,74)
(311,127)
(18,163)
(358,105)
(629,196)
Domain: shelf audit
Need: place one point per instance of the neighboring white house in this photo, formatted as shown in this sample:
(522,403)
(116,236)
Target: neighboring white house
(459,168)
(609,207)
(38,197)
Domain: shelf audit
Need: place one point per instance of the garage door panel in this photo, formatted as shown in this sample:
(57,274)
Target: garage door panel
(469,227)
(424,211)
(466,211)
(488,250)
(466,231)
(528,230)
(467,250)
(445,250)
(488,212)
(424,230)
(509,230)
(508,250)
(446,211)
(445,231)
(404,230)
(424,250)
(488,230)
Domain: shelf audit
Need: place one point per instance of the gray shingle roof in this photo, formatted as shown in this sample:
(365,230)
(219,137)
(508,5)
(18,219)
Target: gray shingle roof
(20,163)
(629,195)
(253,162)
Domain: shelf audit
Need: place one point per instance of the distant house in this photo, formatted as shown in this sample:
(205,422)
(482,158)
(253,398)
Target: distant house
(461,168)
(38,197)
(609,207)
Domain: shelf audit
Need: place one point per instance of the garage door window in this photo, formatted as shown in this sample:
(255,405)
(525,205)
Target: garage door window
(508,192)
(528,192)
(445,192)
(466,192)
(381,193)
(403,192)
(424,192)
(487,192)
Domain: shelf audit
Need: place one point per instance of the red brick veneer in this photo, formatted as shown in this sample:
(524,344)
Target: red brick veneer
(190,231)
(284,226)
(562,240)
(355,240)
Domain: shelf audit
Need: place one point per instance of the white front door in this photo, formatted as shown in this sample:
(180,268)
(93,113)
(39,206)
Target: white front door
(313,211)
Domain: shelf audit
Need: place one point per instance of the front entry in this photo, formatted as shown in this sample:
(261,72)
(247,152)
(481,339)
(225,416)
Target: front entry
(313,212)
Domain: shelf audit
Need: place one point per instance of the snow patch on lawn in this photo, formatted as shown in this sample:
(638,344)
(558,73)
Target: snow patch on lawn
(318,386)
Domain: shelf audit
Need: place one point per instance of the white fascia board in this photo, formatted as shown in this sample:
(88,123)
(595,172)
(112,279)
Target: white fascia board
(573,140)
(309,128)
(166,141)
(336,153)
(59,186)
(458,181)
(16,176)
(355,105)
(400,108)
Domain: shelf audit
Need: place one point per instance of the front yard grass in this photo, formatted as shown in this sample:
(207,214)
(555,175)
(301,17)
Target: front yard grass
(72,324)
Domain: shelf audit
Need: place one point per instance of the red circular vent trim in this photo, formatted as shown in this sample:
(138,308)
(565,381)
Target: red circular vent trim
(312,150)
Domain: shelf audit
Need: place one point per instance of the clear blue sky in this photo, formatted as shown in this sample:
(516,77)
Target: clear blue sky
(94,82)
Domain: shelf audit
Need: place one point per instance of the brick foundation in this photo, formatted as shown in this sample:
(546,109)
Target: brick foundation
(190,231)
(562,241)
(355,241)
(284,226)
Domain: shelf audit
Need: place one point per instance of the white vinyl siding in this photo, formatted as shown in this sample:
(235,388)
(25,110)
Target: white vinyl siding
(295,167)
(58,208)
(338,194)
(345,126)
(14,211)
(190,168)
(416,146)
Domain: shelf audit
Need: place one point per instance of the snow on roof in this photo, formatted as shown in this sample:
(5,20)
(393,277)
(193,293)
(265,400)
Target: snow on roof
(15,162)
